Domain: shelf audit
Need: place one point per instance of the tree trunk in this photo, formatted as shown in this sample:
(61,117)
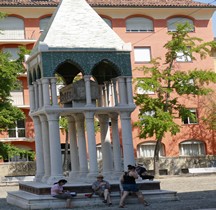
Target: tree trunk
(156,158)
(65,162)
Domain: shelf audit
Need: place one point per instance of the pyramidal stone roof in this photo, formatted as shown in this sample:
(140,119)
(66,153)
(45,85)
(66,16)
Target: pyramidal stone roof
(75,25)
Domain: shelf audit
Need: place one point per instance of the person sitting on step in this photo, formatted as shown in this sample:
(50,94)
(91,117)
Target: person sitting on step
(58,192)
(102,188)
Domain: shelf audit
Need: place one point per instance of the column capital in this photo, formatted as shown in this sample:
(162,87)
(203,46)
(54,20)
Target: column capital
(36,120)
(43,118)
(89,114)
(45,80)
(87,77)
(125,115)
(53,79)
(39,81)
(53,117)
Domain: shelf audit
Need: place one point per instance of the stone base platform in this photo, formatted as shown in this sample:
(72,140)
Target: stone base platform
(39,197)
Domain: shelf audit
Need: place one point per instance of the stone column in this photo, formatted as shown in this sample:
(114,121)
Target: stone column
(106,145)
(40,93)
(88,90)
(115,93)
(100,100)
(36,95)
(104,96)
(129,91)
(55,148)
(39,149)
(74,156)
(116,145)
(93,166)
(122,91)
(46,148)
(46,94)
(107,84)
(54,92)
(127,139)
(81,145)
(31,98)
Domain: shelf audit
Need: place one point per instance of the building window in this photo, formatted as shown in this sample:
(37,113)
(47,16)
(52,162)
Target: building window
(99,151)
(13,52)
(18,130)
(12,28)
(192,148)
(139,24)
(173,22)
(142,89)
(181,57)
(193,119)
(142,54)
(44,23)
(17,97)
(108,22)
(147,150)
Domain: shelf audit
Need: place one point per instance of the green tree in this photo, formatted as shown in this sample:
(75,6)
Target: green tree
(8,82)
(8,151)
(157,114)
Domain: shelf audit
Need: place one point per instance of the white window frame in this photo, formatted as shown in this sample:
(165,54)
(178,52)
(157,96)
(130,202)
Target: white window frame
(139,24)
(172,23)
(142,54)
(192,148)
(190,121)
(146,149)
(16,130)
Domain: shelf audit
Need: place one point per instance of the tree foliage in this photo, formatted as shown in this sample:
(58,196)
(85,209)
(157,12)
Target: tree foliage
(8,151)
(157,114)
(9,71)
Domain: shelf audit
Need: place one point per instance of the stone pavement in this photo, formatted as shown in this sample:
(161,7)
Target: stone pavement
(194,192)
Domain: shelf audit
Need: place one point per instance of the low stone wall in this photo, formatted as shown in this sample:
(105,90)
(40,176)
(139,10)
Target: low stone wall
(27,168)
(179,165)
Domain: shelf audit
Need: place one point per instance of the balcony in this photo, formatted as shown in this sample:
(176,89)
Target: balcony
(18,36)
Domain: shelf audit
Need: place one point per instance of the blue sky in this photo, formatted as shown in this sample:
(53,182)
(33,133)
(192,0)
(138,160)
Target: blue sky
(214,16)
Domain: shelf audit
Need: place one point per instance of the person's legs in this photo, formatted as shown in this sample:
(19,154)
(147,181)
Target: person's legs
(68,203)
(122,200)
(141,198)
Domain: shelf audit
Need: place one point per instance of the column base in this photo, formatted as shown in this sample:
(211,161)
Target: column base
(116,175)
(92,176)
(74,175)
(38,177)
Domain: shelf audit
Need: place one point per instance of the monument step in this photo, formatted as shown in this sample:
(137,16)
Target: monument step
(28,200)
(44,189)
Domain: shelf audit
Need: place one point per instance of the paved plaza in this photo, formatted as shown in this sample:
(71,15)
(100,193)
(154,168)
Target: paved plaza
(194,192)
